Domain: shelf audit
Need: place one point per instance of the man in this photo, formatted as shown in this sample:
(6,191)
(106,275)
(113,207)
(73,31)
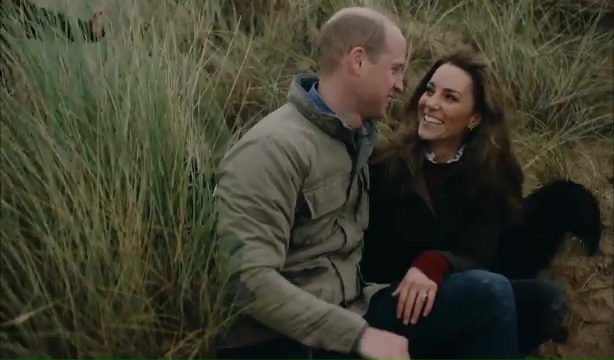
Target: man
(293,205)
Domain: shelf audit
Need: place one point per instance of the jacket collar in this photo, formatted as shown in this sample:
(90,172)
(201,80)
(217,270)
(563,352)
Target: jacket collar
(359,142)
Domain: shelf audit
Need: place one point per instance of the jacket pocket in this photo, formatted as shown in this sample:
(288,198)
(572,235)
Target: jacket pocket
(326,198)
(322,205)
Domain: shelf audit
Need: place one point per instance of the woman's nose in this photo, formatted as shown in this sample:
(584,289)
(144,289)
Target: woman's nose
(432,103)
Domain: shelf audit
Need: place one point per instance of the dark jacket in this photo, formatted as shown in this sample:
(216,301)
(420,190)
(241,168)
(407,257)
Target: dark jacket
(405,225)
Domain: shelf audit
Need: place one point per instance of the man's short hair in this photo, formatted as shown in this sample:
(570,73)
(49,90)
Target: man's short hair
(349,28)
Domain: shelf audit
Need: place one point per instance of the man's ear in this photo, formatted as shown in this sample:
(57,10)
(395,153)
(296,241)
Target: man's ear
(356,59)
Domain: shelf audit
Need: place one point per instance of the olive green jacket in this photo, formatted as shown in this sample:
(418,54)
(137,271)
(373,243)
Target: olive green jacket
(292,207)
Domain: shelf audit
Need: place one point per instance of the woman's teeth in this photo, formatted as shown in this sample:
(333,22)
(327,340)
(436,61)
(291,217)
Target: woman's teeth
(432,120)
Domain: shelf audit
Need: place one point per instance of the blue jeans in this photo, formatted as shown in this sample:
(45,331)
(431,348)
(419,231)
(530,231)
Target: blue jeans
(473,317)
(477,315)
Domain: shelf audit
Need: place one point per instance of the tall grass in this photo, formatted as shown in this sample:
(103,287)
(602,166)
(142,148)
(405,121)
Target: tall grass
(106,199)
(109,152)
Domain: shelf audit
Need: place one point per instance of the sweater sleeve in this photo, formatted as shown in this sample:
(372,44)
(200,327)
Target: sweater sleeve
(433,264)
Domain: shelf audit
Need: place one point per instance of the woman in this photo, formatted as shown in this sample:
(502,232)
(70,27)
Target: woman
(442,188)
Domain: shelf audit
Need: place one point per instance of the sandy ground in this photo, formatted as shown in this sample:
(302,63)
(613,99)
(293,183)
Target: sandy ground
(589,282)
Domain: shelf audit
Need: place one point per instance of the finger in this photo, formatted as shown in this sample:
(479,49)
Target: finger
(418,307)
(429,302)
(403,293)
(409,305)
(398,289)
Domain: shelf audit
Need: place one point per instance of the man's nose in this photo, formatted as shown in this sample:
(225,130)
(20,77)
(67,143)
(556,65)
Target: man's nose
(398,85)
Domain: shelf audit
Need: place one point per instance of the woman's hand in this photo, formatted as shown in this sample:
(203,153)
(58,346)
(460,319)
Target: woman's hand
(416,295)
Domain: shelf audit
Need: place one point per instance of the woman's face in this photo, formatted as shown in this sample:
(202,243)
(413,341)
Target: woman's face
(446,108)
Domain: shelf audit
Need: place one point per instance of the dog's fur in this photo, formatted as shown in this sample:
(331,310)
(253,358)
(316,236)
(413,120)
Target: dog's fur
(549,213)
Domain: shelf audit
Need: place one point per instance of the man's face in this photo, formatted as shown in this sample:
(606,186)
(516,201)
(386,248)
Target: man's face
(379,81)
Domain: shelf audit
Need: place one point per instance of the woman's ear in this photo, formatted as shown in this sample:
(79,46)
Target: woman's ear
(474,122)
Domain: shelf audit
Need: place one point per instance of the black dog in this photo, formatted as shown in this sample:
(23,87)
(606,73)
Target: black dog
(548,214)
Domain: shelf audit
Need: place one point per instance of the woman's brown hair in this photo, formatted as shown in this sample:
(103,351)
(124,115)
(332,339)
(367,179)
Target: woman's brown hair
(488,159)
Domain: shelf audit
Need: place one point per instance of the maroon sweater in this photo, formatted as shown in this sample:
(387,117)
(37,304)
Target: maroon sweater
(434,265)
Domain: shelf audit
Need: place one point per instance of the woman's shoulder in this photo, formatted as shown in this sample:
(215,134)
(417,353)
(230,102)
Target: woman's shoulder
(390,178)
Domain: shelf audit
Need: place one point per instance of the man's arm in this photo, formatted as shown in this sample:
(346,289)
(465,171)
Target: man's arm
(36,21)
(256,197)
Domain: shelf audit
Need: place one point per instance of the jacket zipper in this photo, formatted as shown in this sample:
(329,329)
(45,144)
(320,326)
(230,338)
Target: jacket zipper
(345,239)
(343,301)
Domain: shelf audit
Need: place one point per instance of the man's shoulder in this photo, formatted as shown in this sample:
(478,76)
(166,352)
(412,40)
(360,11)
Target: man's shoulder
(283,137)
(286,118)
(284,128)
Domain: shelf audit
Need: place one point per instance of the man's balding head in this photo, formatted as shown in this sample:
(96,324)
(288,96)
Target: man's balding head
(354,27)
(362,56)
(361,11)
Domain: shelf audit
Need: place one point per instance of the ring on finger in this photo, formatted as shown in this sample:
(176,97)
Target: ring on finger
(424,296)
